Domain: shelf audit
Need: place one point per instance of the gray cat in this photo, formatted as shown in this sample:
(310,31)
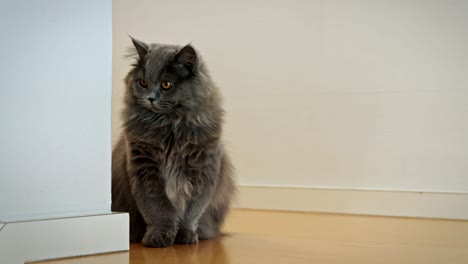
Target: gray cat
(170,170)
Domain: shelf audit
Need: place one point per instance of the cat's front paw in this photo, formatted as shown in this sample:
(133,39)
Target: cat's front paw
(186,236)
(159,238)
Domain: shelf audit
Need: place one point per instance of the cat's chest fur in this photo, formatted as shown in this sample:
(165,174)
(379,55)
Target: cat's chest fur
(177,154)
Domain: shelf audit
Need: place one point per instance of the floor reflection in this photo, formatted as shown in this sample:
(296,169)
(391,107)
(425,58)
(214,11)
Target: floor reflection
(205,252)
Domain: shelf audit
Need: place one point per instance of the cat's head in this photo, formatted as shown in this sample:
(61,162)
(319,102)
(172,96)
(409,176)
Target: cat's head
(167,76)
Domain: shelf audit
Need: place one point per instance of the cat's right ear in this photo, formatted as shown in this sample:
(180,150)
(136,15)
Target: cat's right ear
(141,47)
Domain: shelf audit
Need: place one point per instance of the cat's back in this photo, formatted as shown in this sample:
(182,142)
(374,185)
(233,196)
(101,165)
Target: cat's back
(119,155)
(120,184)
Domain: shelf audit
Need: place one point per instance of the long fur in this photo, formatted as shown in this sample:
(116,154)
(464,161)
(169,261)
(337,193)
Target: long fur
(170,170)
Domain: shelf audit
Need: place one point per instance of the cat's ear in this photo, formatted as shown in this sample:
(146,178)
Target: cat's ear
(141,47)
(186,60)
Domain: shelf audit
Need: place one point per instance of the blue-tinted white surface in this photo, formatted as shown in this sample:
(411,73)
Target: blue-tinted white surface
(55,108)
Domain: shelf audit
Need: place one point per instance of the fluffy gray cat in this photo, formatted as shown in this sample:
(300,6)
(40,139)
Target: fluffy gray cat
(170,170)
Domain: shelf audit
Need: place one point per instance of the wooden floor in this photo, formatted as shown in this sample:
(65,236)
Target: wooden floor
(284,237)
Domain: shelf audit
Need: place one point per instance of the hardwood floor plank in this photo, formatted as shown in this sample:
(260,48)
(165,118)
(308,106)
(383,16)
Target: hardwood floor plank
(287,237)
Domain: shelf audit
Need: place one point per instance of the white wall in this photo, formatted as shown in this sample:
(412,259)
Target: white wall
(333,94)
(55,108)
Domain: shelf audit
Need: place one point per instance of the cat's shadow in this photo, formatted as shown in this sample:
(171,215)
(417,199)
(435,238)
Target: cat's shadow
(209,251)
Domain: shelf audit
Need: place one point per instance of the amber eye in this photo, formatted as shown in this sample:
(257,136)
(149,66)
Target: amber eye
(143,83)
(166,85)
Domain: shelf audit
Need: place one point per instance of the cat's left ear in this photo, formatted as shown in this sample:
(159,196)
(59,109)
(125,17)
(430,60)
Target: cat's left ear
(186,60)
(140,46)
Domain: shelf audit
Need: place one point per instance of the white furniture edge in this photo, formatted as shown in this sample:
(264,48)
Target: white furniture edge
(26,241)
(366,202)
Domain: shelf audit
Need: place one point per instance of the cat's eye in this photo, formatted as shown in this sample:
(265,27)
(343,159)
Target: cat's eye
(143,83)
(166,85)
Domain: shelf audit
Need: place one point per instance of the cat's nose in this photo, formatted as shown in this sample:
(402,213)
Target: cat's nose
(151,99)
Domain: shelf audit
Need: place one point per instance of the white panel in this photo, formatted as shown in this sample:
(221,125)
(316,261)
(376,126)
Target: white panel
(67,237)
(337,94)
(55,108)
(385,203)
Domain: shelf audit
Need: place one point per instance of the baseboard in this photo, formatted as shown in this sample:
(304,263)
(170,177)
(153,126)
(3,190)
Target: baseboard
(27,241)
(383,203)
